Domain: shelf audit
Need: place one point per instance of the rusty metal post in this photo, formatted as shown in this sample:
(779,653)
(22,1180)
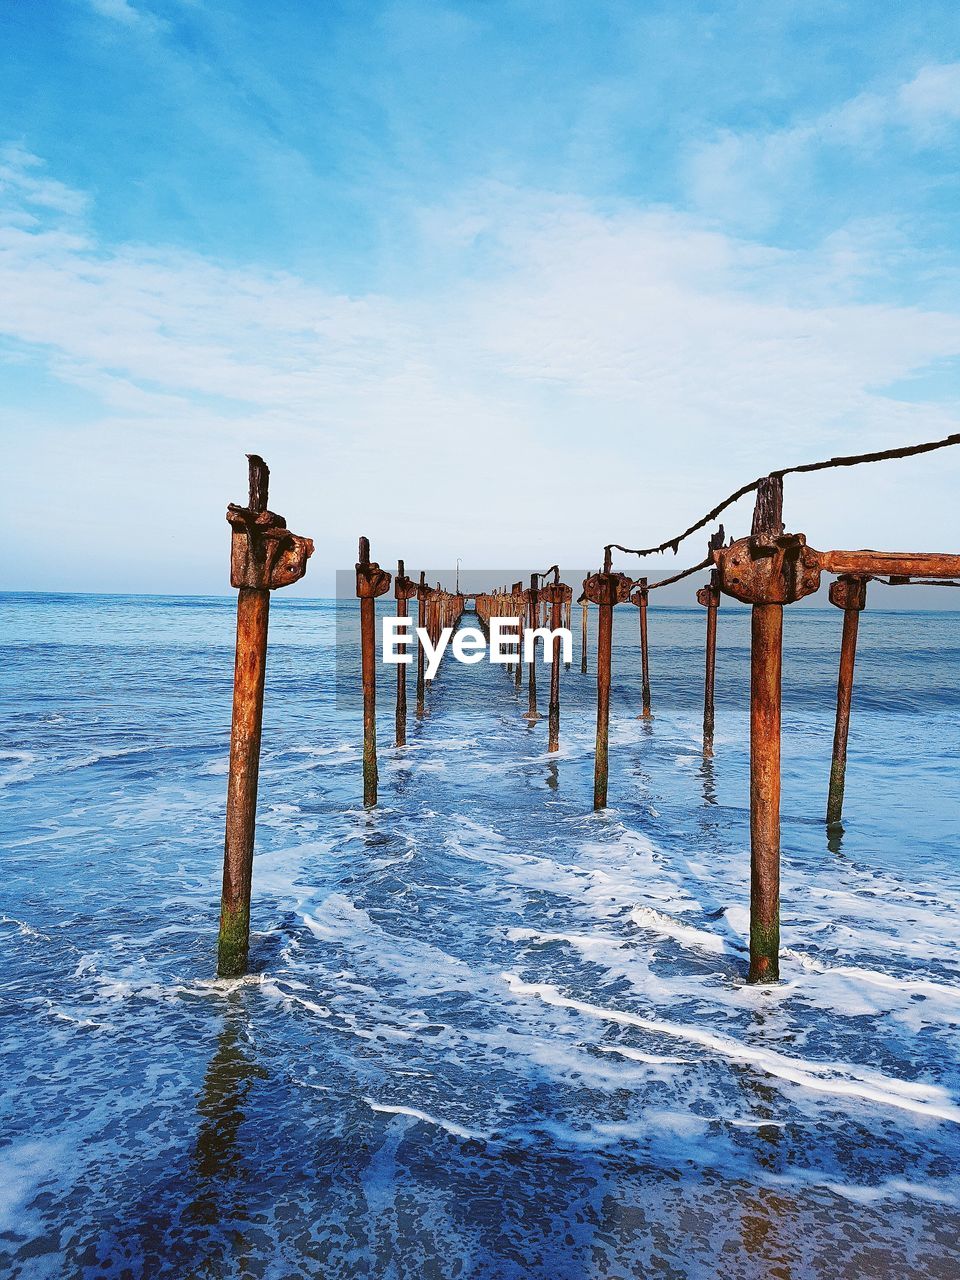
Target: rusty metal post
(641,600)
(709,597)
(584,604)
(423,592)
(605,590)
(766,656)
(557,595)
(533,597)
(519,611)
(767,570)
(372,581)
(849,594)
(403,589)
(263,556)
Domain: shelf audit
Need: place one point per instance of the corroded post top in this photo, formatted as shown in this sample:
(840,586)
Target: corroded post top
(264,554)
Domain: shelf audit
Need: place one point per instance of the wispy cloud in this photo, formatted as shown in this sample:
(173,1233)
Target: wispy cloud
(748,176)
(621,335)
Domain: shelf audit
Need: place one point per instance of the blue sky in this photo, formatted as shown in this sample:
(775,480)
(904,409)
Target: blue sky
(484,280)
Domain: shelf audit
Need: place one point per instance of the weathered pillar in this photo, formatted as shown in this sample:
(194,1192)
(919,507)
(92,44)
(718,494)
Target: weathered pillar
(372,581)
(766,649)
(640,599)
(557,595)
(584,605)
(518,610)
(403,589)
(849,594)
(423,595)
(709,597)
(605,589)
(264,556)
(534,613)
(767,570)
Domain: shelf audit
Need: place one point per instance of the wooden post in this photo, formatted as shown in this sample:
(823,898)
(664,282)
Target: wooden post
(372,581)
(264,556)
(533,597)
(709,597)
(403,589)
(849,594)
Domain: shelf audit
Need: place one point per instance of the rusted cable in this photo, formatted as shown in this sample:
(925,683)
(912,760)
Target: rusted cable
(884,455)
(665,582)
(916,582)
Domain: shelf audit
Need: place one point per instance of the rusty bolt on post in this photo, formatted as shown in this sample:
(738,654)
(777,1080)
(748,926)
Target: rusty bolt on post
(372,581)
(641,600)
(605,589)
(403,590)
(849,594)
(264,556)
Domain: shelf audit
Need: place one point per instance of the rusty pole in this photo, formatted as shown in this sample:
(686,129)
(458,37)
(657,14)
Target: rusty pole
(585,604)
(519,611)
(849,594)
(605,590)
(765,677)
(558,595)
(766,663)
(423,592)
(403,589)
(604,654)
(372,581)
(532,713)
(641,600)
(709,597)
(263,557)
(767,570)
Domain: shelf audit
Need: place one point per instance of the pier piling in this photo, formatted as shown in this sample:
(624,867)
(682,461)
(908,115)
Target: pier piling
(605,589)
(403,589)
(584,606)
(709,597)
(372,581)
(641,600)
(264,556)
(849,594)
(533,607)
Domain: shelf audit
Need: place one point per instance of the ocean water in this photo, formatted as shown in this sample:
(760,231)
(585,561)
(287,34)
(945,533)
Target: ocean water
(488,1033)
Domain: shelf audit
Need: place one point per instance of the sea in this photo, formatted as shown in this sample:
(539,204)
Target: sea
(487,1033)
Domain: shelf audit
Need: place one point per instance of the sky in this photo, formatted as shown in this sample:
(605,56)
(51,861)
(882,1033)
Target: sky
(500,281)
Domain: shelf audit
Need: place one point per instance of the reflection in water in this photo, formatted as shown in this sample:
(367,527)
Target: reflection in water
(553,775)
(222,1175)
(708,780)
(835,839)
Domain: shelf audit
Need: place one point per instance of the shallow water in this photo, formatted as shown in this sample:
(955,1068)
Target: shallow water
(489,1033)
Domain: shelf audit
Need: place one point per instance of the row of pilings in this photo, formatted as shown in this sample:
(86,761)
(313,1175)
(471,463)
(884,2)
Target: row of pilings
(767,570)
